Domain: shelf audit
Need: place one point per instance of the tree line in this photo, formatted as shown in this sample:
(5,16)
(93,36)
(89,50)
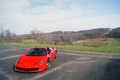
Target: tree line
(114,33)
(58,37)
(66,37)
(8,36)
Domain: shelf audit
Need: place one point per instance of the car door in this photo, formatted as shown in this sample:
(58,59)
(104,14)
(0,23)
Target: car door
(50,54)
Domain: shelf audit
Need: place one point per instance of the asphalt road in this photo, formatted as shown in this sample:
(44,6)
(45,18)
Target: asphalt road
(69,65)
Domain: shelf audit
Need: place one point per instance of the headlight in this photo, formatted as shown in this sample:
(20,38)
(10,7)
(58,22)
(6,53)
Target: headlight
(17,62)
(40,61)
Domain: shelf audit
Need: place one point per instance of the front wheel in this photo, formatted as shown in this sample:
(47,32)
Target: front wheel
(48,64)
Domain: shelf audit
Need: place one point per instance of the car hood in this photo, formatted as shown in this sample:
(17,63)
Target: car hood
(30,60)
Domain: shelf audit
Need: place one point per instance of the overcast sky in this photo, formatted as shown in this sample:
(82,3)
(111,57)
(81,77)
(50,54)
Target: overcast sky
(22,16)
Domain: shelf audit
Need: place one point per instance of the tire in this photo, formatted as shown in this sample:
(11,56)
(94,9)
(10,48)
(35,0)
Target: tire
(48,65)
(13,67)
(55,56)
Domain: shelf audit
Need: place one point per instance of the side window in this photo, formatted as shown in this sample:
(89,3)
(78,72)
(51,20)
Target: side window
(49,50)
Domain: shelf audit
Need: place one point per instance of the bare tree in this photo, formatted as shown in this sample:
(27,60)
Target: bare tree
(1,32)
(57,39)
(15,38)
(8,35)
(35,34)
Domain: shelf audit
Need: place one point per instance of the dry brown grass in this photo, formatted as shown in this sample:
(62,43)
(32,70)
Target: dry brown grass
(96,42)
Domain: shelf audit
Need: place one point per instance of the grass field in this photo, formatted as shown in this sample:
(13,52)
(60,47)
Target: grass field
(91,45)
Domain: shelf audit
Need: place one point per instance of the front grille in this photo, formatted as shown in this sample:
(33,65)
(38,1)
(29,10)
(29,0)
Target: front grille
(27,69)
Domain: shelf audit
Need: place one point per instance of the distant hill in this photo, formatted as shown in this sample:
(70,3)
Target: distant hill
(84,34)
(67,37)
(64,37)
(114,33)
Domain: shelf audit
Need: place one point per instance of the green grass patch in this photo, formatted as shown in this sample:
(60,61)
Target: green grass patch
(107,45)
(32,41)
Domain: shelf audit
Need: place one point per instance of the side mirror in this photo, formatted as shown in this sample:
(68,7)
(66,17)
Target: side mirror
(24,53)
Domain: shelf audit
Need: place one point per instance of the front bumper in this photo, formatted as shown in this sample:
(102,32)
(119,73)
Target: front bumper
(19,69)
(36,68)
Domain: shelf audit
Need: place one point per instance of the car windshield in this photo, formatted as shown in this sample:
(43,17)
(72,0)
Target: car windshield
(37,52)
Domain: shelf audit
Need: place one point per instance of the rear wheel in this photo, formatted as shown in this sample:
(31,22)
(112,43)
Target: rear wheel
(55,56)
(48,64)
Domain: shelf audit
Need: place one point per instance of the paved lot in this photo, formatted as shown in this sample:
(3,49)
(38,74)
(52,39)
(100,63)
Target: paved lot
(69,65)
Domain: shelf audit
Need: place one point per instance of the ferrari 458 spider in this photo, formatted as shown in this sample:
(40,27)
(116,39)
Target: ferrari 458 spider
(35,60)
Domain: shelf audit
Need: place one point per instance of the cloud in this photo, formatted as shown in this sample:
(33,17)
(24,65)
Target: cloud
(51,22)
(22,16)
(13,5)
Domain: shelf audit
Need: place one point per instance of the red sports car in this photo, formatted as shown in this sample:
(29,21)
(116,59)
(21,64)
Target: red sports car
(35,60)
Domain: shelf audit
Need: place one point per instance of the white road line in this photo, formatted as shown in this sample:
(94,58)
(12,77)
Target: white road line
(84,58)
(9,57)
(57,68)
(70,54)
